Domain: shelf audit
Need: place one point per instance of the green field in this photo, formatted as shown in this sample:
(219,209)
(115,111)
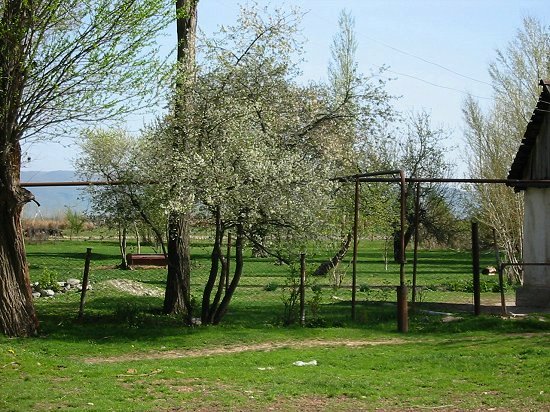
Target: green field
(125,355)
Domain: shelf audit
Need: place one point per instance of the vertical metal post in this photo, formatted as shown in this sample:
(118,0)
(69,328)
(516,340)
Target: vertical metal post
(355,246)
(302,289)
(504,311)
(415,255)
(85,282)
(402,308)
(475,268)
(500,268)
(228,260)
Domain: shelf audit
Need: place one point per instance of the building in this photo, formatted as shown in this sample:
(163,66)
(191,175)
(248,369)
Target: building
(532,162)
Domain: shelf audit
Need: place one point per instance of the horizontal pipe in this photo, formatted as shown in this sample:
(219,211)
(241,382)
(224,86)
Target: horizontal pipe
(343,179)
(511,182)
(84,183)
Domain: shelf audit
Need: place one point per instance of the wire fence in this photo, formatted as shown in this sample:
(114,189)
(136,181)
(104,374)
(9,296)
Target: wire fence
(268,291)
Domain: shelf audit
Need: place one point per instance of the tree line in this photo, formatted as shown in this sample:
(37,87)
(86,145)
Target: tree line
(244,144)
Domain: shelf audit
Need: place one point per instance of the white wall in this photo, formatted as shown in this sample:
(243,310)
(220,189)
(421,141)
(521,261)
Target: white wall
(536,248)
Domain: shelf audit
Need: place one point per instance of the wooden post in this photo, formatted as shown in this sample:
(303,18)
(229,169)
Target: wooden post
(85,282)
(355,246)
(475,268)
(302,289)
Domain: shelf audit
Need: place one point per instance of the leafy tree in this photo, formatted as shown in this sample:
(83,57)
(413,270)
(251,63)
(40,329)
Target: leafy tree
(60,63)
(113,156)
(493,135)
(420,153)
(75,221)
(177,297)
(254,148)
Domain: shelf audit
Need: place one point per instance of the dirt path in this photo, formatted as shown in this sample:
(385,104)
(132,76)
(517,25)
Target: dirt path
(266,346)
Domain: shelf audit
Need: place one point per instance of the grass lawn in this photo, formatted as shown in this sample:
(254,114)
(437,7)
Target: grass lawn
(125,356)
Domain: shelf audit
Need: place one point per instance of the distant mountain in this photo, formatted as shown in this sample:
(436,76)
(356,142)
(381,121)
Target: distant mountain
(53,200)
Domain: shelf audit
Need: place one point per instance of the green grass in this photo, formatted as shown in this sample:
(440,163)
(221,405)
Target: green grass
(157,364)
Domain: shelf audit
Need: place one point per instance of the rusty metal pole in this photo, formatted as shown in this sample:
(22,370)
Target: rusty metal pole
(85,282)
(402,309)
(302,289)
(355,246)
(475,268)
(503,309)
(415,254)
(500,268)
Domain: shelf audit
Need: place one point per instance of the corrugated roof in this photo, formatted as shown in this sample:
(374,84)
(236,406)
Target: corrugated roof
(531,134)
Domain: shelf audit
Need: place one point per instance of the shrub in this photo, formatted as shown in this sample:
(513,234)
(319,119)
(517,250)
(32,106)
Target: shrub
(271,286)
(48,280)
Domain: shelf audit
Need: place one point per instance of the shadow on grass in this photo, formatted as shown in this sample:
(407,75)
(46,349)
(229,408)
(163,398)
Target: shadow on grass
(120,319)
(76,256)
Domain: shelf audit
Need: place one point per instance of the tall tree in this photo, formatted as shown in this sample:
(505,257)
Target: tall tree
(60,61)
(255,147)
(493,135)
(113,156)
(177,297)
(418,150)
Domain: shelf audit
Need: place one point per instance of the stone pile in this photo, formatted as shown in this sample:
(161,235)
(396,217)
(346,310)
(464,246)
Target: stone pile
(71,285)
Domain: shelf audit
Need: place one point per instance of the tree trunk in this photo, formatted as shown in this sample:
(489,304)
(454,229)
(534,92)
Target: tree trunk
(397,242)
(122,235)
(224,274)
(138,238)
(177,297)
(214,269)
(325,267)
(17,314)
(222,309)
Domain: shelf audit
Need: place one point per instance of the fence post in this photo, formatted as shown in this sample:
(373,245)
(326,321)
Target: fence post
(302,289)
(402,304)
(415,254)
(475,268)
(85,282)
(355,245)
(500,267)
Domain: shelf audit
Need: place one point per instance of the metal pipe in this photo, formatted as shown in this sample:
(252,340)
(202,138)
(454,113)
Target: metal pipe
(475,268)
(403,201)
(415,252)
(355,248)
(500,274)
(402,308)
(374,179)
(362,178)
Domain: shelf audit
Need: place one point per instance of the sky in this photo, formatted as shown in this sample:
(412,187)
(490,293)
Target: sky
(436,52)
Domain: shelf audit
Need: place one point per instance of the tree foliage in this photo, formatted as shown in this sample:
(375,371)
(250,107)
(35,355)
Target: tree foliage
(418,149)
(493,135)
(63,62)
(255,149)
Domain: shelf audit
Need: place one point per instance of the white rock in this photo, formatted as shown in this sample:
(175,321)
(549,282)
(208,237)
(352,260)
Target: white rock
(47,293)
(73,282)
(301,363)
(36,294)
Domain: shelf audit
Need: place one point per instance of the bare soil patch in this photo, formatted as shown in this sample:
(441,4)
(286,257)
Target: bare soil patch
(265,346)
